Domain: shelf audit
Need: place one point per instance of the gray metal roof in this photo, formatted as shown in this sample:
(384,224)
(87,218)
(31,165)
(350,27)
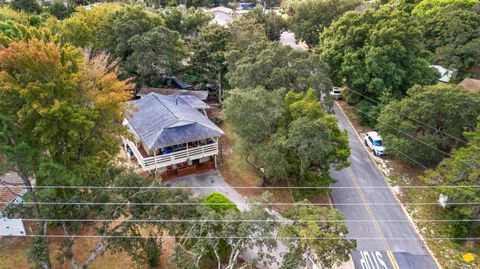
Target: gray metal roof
(161,121)
(193,101)
(203,95)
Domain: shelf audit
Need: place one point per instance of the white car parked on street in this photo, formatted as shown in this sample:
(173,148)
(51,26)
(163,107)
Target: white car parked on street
(374,141)
(336,93)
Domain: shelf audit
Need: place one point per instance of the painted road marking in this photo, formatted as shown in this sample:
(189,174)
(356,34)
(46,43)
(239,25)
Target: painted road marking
(392,259)
(369,210)
(371,260)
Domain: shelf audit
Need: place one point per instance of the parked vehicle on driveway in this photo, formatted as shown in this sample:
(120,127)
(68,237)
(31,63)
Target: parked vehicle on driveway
(336,93)
(374,142)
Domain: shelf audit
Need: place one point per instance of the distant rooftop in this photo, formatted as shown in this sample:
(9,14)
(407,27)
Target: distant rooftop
(14,188)
(471,85)
(162,121)
(445,74)
(202,95)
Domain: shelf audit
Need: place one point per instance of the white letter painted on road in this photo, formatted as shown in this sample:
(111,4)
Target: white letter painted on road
(371,260)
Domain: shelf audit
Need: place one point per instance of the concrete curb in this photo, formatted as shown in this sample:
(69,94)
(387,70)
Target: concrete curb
(390,187)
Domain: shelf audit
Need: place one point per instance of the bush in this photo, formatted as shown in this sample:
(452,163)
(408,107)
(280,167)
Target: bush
(460,229)
(153,251)
(351,97)
(219,203)
(367,113)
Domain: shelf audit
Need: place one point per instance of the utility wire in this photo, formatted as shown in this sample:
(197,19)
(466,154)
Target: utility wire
(244,237)
(423,142)
(251,220)
(247,187)
(232,203)
(416,120)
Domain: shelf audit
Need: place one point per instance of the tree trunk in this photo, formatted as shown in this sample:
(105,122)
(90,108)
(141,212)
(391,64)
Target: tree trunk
(42,230)
(219,84)
(259,171)
(93,255)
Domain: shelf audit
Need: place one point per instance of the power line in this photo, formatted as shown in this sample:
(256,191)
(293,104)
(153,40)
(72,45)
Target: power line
(232,203)
(423,142)
(244,187)
(416,120)
(244,237)
(250,220)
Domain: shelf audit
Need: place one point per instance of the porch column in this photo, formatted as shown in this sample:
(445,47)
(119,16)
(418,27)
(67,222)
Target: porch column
(215,157)
(125,149)
(155,159)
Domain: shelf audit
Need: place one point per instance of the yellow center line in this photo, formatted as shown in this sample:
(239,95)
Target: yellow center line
(392,259)
(369,210)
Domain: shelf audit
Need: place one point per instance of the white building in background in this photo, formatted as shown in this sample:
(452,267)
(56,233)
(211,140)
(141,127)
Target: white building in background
(11,191)
(445,74)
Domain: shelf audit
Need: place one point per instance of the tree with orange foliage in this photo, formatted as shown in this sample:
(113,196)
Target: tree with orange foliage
(60,123)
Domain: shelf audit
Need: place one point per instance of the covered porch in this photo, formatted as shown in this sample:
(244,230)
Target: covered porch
(175,160)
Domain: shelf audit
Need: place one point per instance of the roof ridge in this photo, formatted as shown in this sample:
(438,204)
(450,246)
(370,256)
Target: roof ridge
(160,101)
(209,126)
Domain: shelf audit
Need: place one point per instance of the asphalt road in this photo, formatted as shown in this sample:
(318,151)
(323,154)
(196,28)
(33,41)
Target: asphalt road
(408,253)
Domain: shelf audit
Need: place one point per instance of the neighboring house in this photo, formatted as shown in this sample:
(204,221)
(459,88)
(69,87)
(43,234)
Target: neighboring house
(11,191)
(445,74)
(179,84)
(470,84)
(246,6)
(224,15)
(170,136)
(202,95)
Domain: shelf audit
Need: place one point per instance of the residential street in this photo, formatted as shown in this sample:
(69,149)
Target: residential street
(363,173)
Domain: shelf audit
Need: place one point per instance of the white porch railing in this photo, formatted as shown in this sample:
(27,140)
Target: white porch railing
(152,162)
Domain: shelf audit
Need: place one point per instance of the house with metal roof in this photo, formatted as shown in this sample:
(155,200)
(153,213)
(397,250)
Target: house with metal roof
(170,135)
(11,193)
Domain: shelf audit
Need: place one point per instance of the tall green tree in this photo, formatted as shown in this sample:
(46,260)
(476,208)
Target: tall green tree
(84,27)
(273,66)
(287,136)
(461,169)
(60,10)
(207,64)
(310,17)
(244,32)
(305,230)
(155,54)
(187,22)
(227,239)
(377,52)
(454,37)
(273,24)
(147,50)
(29,6)
(428,123)
(124,24)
